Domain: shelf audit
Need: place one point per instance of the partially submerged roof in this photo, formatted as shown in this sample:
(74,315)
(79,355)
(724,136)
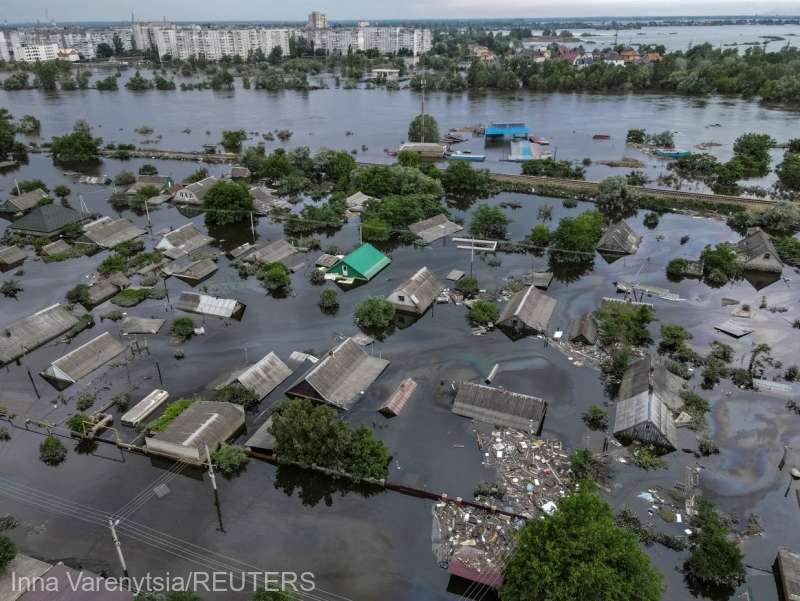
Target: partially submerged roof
(650,376)
(788,563)
(108,233)
(184,240)
(28,333)
(326,261)
(734,328)
(542,279)
(21,569)
(197,271)
(140,325)
(757,252)
(500,407)
(583,329)
(263,377)
(46,220)
(62,583)
(418,292)
(619,239)
(101,291)
(197,189)
(356,202)
(398,399)
(11,256)
(83,360)
(210,305)
(54,248)
(529,307)
(506,129)
(646,419)
(240,172)
(434,228)
(262,439)
(339,377)
(273,252)
(362,263)
(24,202)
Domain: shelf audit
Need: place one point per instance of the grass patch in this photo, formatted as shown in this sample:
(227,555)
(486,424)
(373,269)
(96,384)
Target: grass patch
(172,411)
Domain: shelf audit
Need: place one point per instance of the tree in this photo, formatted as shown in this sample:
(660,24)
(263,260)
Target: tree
(148,169)
(329,300)
(488,222)
(409,158)
(274,277)
(551,168)
(483,312)
(636,136)
(753,150)
(267,595)
(10,288)
(78,295)
(720,264)
(124,178)
(47,75)
(380,181)
(578,553)
(197,176)
(230,459)
(596,418)
(52,451)
(182,327)
(227,202)
(107,84)
(623,323)
(375,314)
(29,125)
(28,185)
(137,83)
(468,286)
(575,238)
(7,552)
(789,172)
(77,147)
(714,560)
(615,200)
(462,181)
(423,128)
(104,50)
(62,192)
(232,139)
(275,55)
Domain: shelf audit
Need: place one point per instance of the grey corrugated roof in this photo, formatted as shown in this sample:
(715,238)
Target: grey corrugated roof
(756,243)
(651,375)
(619,238)
(500,407)
(421,289)
(275,251)
(33,331)
(434,228)
(261,439)
(54,248)
(645,412)
(184,240)
(101,291)
(25,201)
(201,188)
(209,305)
(341,375)
(140,325)
(108,233)
(85,359)
(265,376)
(583,327)
(48,219)
(11,255)
(198,271)
(532,307)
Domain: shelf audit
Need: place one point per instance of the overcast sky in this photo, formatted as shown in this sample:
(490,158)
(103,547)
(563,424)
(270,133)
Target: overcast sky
(268,10)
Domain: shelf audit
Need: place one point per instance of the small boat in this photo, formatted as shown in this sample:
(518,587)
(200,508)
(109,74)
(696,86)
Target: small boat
(465,155)
(601,137)
(540,141)
(671,153)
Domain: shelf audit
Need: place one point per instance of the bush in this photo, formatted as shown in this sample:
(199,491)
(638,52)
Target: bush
(78,295)
(124,178)
(230,459)
(182,327)
(52,451)
(462,181)
(468,286)
(596,418)
(237,394)
(651,220)
(720,265)
(80,424)
(10,288)
(484,312)
(648,459)
(552,168)
(714,560)
(329,301)
(85,400)
(615,200)
(489,222)
(130,297)
(7,552)
(624,323)
(316,277)
(375,314)
(274,277)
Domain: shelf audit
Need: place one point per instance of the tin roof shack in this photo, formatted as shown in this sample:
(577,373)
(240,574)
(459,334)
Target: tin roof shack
(583,330)
(265,201)
(193,194)
(11,257)
(48,221)
(108,233)
(183,241)
(83,360)
(273,252)
(500,407)
(325,261)
(164,183)
(23,202)
(756,252)
(140,325)
(417,293)
(238,172)
(361,264)
(203,423)
(26,334)
(787,564)
(528,310)
(618,240)
(203,304)
(506,130)
(262,377)
(339,377)
(397,400)
(429,151)
(56,247)
(434,228)
(650,375)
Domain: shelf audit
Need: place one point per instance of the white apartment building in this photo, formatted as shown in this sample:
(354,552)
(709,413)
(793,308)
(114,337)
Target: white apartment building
(35,54)
(5,47)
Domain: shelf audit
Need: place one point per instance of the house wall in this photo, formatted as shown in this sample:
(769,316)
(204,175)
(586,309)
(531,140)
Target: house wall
(170,449)
(403,304)
(765,262)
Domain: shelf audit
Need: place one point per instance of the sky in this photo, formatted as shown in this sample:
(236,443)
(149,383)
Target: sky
(14,11)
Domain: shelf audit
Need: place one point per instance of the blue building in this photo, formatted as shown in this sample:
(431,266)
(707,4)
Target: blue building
(506,130)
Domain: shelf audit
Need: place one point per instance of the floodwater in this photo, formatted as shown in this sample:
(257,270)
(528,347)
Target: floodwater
(376,546)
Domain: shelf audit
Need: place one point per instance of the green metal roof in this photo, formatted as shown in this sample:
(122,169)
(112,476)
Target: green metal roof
(366,260)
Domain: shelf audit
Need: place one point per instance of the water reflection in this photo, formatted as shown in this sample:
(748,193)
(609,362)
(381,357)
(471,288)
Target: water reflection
(312,487)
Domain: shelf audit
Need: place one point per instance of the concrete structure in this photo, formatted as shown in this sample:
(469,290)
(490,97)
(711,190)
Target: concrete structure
(500,407)
(203,424)
(24,335)
(417,293)
(339,377)
(528,310)
(83,360)
(35,53)
(317,20)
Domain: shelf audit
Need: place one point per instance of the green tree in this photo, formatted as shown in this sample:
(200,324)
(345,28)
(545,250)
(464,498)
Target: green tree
(182,327)
(104,50)
(275,277)
(62,192)
(374,314)
(714,560)
(227,202)
(462,181)
(52,451)
(137,83)
(124,178)
(789,172)
(483,312)
(230,459)
(29,125)
(77,147)
(636,136)
(575,238)
(578,553)
(468,286)
(615,200)
(107,84)
(423,128)
(232,139)
(7,552)
(596,418)
(284,595)
(329,300)
(720,264)
(47,75)
(409,158)
(489,222)
(148,169)
(753,149)
(623,323)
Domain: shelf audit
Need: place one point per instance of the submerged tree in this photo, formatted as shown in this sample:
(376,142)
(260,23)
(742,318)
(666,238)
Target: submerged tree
(423,128)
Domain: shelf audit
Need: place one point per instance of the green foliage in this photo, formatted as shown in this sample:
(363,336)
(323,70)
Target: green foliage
(720,265)
(674,339)
(460,180)
(227,202)
(232,139)
(551,168)
(85,400)
(636,178)
(409,158)
(312,434)
(636,136)
(7,552)
(398,212)
(197,176)
(148,168)
(62,191)
(782,218)
(237,394)
(124,178)
(578,553)
(76,147)
(575,238)
(28,185)
(173,410)
(182,327)
(714,560)
(753,151)
(383,180)
(329,300)
(651,220)
(130,297)
(374,314)
(107,84)
(484,312)
(648,459)
(80,424)
(624,323)
(614,366)
(52,451)
(489,222)
(615,200)
(29,125)
(696,406)
(596,418)
(580,464)
(540,235)
(274,277)
(707,447)
(789,172)
(468,286)
(676,268)
(10,288)
(284,595)
(137,83)
(230,459)
(423,128)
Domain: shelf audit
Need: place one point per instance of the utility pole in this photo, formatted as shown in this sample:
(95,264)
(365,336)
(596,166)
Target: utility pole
(16,183)
(252,227)
(147,212)
(113,525)
(214,486)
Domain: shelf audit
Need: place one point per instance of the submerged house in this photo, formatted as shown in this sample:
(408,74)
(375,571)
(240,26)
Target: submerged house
(48,220)
(182,241)
(202,304)
(500,407)
(361,264)
(163,183)
(83,360)
(417,293)
(355,202)
(434,228)
(787,572)
(583,330)
(11,257)
(260,378)
(339,377)
(756,252)
(273,252)
(108,233)
(506,130)
(619,239)
(23,202)
(194,193)
(26,334)
(528,310)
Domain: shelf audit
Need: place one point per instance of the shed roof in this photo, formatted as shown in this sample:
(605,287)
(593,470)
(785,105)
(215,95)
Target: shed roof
(506,129)
(154,180)
(356,202)
(584,327)
(11,256)
(650,375)
(421,289)
(101,291)
(434,228)
(108,233)
(325,260)
(48,219)
(532,307)
(20,569)
(789,574)
(339,377)
(263,377)
(210,305)
(197,271)
(619,238)
(54,248)
(25,201)
(140,325)
(240,172)
(366,260)
(184,240)
(756,243)
(500,407)
(645,417)
(398,399)
(277,250)
(84,360)
(734,328)
(28,333)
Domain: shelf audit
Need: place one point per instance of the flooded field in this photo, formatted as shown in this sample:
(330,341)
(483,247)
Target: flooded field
(379,546)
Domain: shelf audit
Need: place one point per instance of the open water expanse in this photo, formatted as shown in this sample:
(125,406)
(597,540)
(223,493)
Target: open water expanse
(379,546)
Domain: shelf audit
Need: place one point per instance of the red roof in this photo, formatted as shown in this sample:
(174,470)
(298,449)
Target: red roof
(492,578)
